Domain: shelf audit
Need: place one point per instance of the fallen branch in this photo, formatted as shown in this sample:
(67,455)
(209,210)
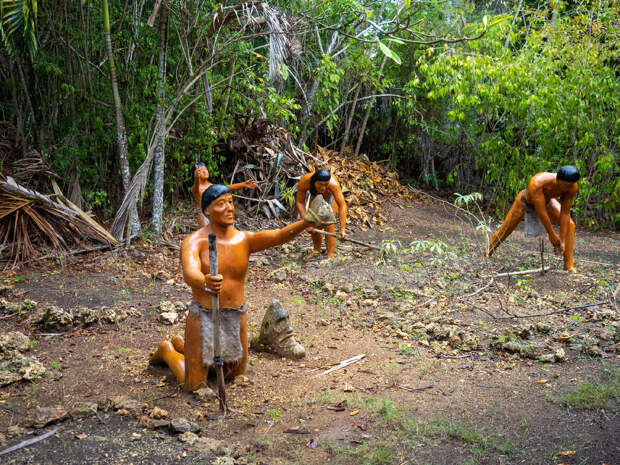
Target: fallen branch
(406,387)
(476,292)
(365,244)
(342,364)
(29,442)
(514,273)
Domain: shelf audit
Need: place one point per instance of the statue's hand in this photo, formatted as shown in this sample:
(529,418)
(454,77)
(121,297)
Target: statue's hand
(213,283)
(343,234)
(562,247)
(310,229)
(250,184)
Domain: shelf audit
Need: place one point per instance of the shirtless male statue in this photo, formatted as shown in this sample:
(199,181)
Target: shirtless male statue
(541,199)
(201,183)
(323,183)
(191,359)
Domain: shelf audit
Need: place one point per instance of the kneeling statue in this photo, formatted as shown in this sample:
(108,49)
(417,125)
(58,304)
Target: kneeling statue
(191,359)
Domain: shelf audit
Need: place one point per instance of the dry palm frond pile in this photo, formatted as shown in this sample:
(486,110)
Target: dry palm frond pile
(365,185)
(32,225)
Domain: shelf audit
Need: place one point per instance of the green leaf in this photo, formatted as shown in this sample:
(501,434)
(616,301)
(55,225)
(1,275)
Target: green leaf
(389,53)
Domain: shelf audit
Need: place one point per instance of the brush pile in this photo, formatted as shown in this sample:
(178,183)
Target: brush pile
(266,153)
(33,226)
(365,185)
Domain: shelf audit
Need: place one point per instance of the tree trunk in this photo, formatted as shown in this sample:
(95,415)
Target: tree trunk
(369,107)
(160,154)
(227,98)
(345,137)
(121,132)
(367,114)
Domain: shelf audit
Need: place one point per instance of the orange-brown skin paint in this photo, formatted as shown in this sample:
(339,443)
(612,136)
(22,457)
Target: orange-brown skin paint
(327,189)
(543,192)
(202,183)
(234,248)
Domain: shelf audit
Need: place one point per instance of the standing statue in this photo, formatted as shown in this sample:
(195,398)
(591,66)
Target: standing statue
(191,359)
(539,204)
(201,183)
(321,182)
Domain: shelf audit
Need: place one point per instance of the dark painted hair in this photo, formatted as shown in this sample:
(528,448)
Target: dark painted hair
(568,173)
(212,193)
(319,175)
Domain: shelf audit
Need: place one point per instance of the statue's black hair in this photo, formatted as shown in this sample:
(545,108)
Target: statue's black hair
(319,175)
(212,193)
(568,173)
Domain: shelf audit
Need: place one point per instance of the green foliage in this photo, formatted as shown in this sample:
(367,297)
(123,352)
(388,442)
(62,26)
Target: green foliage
(17,26)
(550,99)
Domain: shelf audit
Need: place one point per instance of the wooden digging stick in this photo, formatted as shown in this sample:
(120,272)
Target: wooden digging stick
(218,361)
(365,244)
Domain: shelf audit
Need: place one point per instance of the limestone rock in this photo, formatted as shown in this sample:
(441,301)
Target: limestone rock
(55,318)
(86,409)
(511,346)
(543,328)
(132,406)
(158,413)
(109,315)
(20,367)
(183,425)
(12,343)
(188,437)
(470,341)
(15,431)
(348,288)
(86,316)
(560,355)
(546,358)
(205,394)
(46,415)
(168,318)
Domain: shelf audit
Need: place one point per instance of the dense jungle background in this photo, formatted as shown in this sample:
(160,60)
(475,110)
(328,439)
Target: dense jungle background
(457,95)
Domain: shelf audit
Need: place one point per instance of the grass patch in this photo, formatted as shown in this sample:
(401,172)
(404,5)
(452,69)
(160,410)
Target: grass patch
(593,394)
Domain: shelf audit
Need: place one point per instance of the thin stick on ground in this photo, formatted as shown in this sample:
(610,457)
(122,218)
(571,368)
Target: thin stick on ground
(343,364)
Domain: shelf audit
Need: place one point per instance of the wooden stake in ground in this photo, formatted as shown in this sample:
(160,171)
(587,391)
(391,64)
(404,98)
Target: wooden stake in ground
(542,256)
(365,244)
(218,361)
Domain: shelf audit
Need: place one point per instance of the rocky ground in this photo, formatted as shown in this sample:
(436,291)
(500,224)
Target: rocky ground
(459,365)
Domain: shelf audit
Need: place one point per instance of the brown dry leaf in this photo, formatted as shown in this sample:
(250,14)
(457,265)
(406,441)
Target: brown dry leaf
(542,381)
(353,413)
(566,453)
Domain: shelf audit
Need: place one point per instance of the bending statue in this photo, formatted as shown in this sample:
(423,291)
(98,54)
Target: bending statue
(539,204)
(323,183)
(201,183)
(191,359)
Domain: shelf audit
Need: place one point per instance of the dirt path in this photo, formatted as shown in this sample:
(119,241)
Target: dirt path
(439,382)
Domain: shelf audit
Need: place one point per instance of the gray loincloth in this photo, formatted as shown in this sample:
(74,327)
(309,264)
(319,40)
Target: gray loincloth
(533,225)
(230,322)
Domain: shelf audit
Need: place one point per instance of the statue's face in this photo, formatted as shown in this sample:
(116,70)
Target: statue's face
(203,173)
(222,211)
(321,187)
